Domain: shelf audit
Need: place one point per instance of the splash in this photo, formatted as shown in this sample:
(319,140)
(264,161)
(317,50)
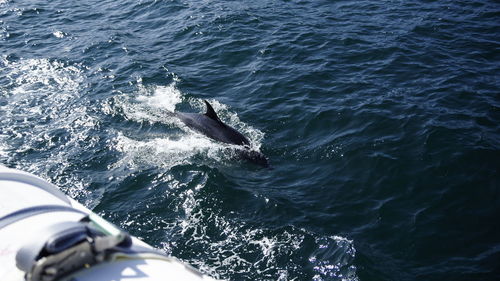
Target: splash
(225,247)
(59,34)
(149,104)
(163,152)
(42,125)
(179,145)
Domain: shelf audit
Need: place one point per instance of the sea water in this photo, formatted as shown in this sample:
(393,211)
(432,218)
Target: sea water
(380,119)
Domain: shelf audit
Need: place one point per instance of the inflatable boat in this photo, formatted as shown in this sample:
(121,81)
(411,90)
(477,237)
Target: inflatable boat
(45,235)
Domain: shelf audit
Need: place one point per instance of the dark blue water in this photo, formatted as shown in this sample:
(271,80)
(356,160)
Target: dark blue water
(381,120)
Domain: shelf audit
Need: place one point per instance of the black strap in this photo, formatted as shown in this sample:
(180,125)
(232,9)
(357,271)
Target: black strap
(33,211)
(62,248)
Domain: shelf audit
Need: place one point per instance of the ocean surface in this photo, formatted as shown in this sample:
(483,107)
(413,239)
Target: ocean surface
(381,121)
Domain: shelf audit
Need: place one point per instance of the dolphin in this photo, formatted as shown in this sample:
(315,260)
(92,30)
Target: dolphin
(211,126)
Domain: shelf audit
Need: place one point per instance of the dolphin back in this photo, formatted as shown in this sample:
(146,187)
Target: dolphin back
(211,126)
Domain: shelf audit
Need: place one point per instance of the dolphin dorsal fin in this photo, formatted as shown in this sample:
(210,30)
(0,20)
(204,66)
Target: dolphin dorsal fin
(211,113)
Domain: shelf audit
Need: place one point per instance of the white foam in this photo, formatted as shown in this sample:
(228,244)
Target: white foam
(162,97)
(229,253)
(164,151)
(3,146)
(40,95)
(150,104)
(59,34)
